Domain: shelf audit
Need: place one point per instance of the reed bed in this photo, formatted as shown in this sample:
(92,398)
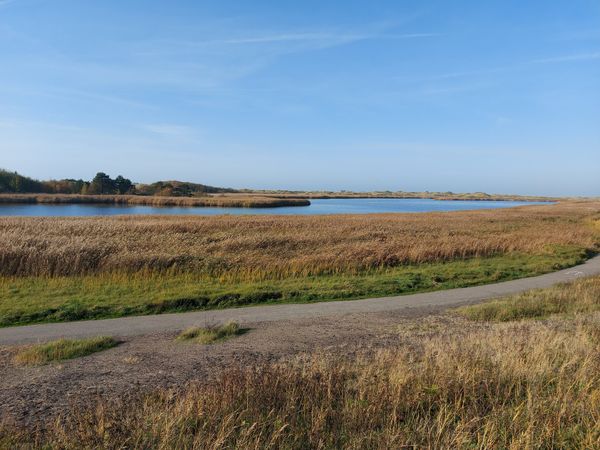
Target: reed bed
(277,247)
(516,386)
(218,200)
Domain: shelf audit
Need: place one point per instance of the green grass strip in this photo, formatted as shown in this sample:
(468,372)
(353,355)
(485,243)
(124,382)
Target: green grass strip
(26,300)
(63,349)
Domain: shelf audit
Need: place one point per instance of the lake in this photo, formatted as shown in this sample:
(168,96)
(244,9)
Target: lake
(318,206)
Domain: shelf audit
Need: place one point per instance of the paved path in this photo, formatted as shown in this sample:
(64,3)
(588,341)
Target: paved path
(140,325)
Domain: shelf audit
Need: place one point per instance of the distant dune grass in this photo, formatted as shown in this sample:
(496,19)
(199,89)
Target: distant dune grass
(62,349)
(61,269)
(519,385)
(451,196)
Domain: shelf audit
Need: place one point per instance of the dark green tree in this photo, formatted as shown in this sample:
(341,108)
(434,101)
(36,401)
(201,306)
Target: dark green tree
(102,184)
(123,185)
(13,182)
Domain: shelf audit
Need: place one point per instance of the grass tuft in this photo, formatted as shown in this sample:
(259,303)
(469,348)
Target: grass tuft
(63,349)
(211,334)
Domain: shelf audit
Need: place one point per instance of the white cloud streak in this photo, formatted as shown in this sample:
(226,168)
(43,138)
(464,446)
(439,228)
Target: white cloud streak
(568,58)
(168,130)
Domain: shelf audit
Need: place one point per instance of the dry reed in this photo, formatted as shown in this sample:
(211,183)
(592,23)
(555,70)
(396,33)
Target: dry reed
(214,200)
(257,247)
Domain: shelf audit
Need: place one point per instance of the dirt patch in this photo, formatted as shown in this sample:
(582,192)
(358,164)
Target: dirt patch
(30,395)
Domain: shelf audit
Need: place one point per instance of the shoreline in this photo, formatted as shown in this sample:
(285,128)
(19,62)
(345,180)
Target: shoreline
(242,200)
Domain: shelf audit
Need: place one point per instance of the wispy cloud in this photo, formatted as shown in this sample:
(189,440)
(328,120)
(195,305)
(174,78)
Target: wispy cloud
(580,35)
(468,73)
(568,58)
(294,37)
(323,37)
(497,70)
(204,64)
(5,3)
(445,90)
(411,36)
(173,131)
(284,41)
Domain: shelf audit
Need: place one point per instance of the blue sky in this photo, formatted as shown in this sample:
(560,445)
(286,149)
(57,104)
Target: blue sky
(495,96)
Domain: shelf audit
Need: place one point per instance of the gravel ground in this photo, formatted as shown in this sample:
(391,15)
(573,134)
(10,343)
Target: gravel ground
(29,395)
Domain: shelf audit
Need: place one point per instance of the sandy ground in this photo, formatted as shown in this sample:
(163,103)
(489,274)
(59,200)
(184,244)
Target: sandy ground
(30,395)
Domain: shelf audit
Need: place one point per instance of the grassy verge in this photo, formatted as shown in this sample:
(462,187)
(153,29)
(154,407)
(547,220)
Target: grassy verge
(26,300)
(62,349)
(211,334)
(527,384)
(582,296)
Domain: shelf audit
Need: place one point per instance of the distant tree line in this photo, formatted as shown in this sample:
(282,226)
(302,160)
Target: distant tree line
(12,182)
(102,184)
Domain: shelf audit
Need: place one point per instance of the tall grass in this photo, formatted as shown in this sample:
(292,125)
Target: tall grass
(30,299)
(271,247)
(582,296)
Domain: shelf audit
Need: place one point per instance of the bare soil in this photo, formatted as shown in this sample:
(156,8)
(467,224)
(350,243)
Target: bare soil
(32,395)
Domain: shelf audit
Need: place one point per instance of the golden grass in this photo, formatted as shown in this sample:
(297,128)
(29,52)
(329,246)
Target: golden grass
(582,296)
(62,349)
(263,247)
(515,386)
(210,334)
(215,200)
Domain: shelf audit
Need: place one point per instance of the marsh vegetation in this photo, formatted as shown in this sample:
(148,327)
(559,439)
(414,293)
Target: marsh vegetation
(276,247)
(55,269)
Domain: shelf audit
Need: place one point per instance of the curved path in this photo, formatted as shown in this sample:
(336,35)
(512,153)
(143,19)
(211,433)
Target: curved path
(140,325)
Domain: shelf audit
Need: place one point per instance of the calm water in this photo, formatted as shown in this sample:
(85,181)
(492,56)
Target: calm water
(318,206)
